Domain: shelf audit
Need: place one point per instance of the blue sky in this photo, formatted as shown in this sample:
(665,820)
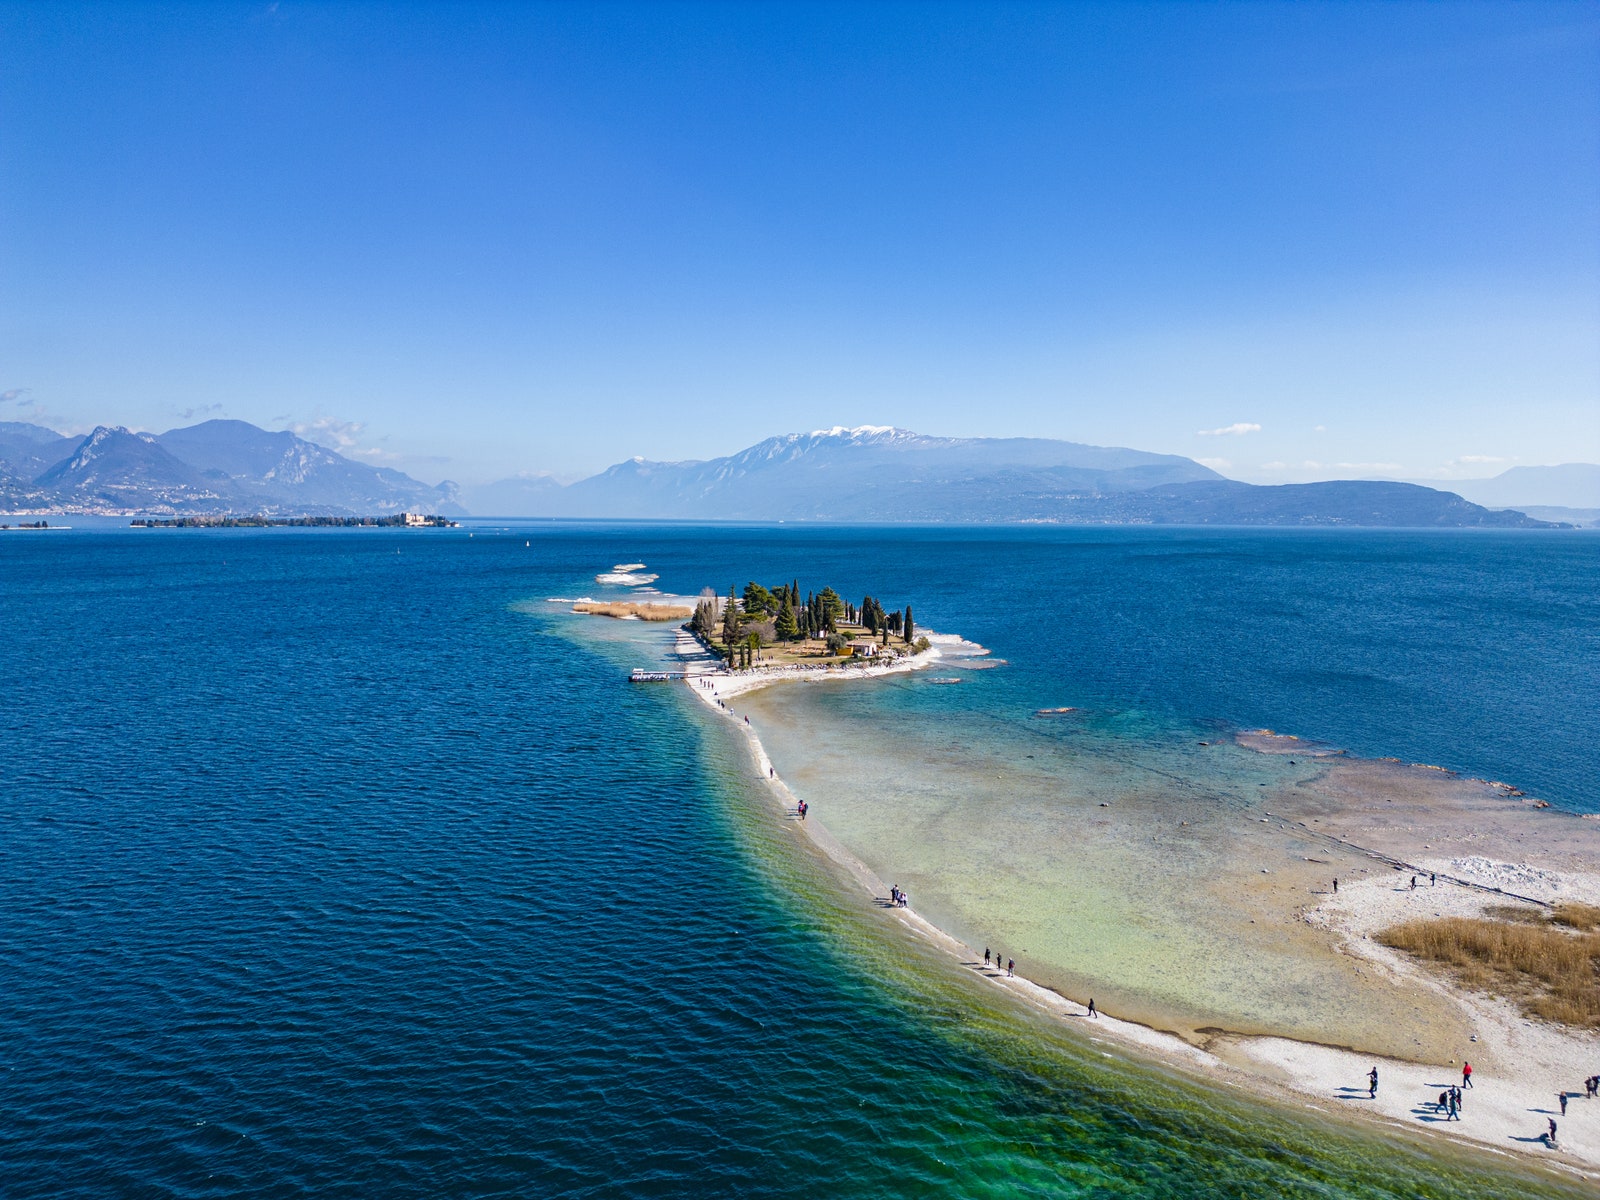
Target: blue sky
(476,240)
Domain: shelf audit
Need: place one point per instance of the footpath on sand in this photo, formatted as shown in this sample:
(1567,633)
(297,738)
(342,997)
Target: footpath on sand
(1506,1111)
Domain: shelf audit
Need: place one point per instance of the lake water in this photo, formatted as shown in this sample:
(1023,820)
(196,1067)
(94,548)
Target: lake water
(336,863)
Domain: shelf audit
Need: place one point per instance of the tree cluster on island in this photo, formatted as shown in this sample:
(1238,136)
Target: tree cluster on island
(824,624)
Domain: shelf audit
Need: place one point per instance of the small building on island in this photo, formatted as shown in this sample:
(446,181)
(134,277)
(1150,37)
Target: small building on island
(865,650)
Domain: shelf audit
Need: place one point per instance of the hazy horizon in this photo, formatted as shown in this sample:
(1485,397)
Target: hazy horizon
(481,485)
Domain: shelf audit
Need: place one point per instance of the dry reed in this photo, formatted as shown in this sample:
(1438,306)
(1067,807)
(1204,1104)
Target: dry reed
(629,608)
(1577,916)
(1552,972)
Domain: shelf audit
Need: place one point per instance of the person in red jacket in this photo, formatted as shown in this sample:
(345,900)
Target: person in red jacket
(1466,1074)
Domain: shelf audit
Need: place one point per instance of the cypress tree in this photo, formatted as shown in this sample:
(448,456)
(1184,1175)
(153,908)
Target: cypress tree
(787,628)
(910,628)
(730,620)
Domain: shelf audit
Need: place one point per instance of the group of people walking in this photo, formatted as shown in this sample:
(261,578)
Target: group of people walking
(897,898)
(1009,966)
(1450,1104)
(1450,1100)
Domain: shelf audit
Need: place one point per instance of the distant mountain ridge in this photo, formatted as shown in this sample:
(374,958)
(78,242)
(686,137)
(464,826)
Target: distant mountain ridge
(216,467)
(870,472)
(882,474)
(1568,485)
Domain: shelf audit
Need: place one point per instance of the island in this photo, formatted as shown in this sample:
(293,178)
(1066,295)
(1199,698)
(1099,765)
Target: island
(1276,914)
(772,628)
(393,520)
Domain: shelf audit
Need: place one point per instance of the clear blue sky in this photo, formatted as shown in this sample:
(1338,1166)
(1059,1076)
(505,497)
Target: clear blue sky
(476,240)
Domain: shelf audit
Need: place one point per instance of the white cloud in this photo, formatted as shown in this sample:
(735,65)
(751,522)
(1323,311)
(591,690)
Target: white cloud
(329,431)
(1480,458)
(1320,429)
(1238,427)
(1216,464)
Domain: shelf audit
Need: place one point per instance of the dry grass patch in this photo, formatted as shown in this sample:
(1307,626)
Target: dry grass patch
(1577,916)
(629,608)
(1552,971)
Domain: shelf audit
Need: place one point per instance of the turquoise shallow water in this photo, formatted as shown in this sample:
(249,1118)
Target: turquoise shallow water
(330,865)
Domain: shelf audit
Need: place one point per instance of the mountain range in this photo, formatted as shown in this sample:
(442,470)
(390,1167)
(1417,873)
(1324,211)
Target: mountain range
(866,474)
(1569,485)
(876,474)
(229,467)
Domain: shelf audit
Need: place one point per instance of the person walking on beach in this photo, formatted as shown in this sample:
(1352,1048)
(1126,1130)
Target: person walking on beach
(1372,1083)
(1413,883)
(1433,879)
(1563,1098)
(1459,1097)
(1335,887)
(1093,1011)
(1011,969)
(1466,1074)
(986,956)
(1550,1138)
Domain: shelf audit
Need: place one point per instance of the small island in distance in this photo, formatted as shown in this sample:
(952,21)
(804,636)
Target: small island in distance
(395,520)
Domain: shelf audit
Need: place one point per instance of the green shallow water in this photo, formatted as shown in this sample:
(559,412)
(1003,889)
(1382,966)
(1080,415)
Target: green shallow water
(980,1097)
(1015,1104)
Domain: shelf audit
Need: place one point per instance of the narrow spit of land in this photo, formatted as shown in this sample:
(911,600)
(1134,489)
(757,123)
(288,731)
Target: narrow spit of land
(1515,1085)
(1520,1064)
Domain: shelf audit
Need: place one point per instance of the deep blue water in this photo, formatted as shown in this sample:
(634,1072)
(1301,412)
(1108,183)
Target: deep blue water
(330,865)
